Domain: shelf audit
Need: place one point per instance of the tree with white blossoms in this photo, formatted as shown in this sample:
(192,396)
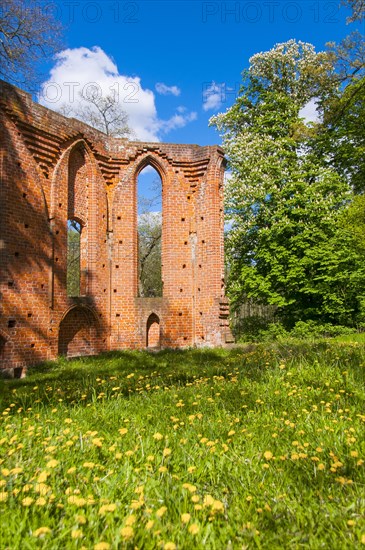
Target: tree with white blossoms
(283,203)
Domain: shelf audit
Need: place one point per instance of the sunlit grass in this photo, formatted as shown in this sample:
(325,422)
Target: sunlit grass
(260,448)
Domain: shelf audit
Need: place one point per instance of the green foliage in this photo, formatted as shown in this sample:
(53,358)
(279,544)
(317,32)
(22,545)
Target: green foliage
(260,449)
(284,200)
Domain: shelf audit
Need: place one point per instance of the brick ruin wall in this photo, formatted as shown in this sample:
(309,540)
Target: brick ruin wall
(54,169)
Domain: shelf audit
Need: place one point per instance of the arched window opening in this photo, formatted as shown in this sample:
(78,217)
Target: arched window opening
(74,229)
(149,192)
(153,331)
(2,349)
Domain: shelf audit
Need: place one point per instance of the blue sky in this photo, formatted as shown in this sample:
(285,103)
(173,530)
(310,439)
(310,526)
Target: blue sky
(162,55)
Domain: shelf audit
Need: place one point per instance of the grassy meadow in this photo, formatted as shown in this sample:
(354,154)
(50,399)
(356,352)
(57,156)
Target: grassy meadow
(258,447)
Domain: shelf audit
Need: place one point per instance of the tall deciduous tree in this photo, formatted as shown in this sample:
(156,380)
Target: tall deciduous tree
(284,203)
(29,32)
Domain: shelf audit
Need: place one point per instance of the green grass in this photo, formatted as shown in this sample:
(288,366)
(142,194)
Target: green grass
(260,447)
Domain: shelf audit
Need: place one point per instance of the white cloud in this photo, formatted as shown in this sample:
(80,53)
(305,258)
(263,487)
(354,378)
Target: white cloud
(309,112)
(213,96)
(163,89)
(79,68)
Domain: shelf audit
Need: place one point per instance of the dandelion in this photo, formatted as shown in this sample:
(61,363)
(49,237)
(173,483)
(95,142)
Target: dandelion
(40,501)
(97,442)
(185,518)
(208,500)
(166,452)
(81,519)
(107,508)
(123,431)
(127,532)
(150,524)
(3,496)
(41,531)
(170,546)
(268,455)
(42,477)
(194,529)
(52,463)
(27,501)
(77,534)
(71,470)
(102,546)
(131,520)
(161,511)
(157,436)
(162,469)
(217,506)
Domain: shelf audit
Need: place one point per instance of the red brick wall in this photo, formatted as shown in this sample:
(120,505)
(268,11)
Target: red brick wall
(54,169)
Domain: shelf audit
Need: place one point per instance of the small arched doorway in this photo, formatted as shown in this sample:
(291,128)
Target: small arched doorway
(78,333)
(153,334)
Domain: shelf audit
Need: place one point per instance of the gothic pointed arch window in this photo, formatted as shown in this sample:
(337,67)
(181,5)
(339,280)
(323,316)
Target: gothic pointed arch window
(79,187)
(149,232)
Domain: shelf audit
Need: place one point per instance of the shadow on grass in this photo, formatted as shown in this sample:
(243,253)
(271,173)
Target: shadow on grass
(68,380)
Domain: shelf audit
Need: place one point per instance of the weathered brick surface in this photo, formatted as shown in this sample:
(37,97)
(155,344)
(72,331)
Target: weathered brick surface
(54,169)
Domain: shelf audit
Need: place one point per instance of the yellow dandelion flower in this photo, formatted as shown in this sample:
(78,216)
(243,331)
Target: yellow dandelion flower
(77,501)
(354,454)
(208,500)
(170,546)
(107,508)
(77,534)
(217,506)
(198,507)
(195,498)
(16,471)
(118,456)
(42,477)
(191,488)
(161,511)
(27,501)
(191,469)
(136,504)
(129,453)
(127,532)
(5,472)
(249,498)
(68,420)
(97,442)
(40,501)
(102,546)
(268,455)
(131,520)
(3,496)
(351,522)
(71,470)
(89,465)
(166,452)
(123,431)
(321,466)
(162,469)
(52,463)
(81,519)
(157,436)
(185,518)
(194,529)
(41,531)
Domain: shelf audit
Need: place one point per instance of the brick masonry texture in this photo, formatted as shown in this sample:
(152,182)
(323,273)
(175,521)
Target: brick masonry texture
(54,169)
